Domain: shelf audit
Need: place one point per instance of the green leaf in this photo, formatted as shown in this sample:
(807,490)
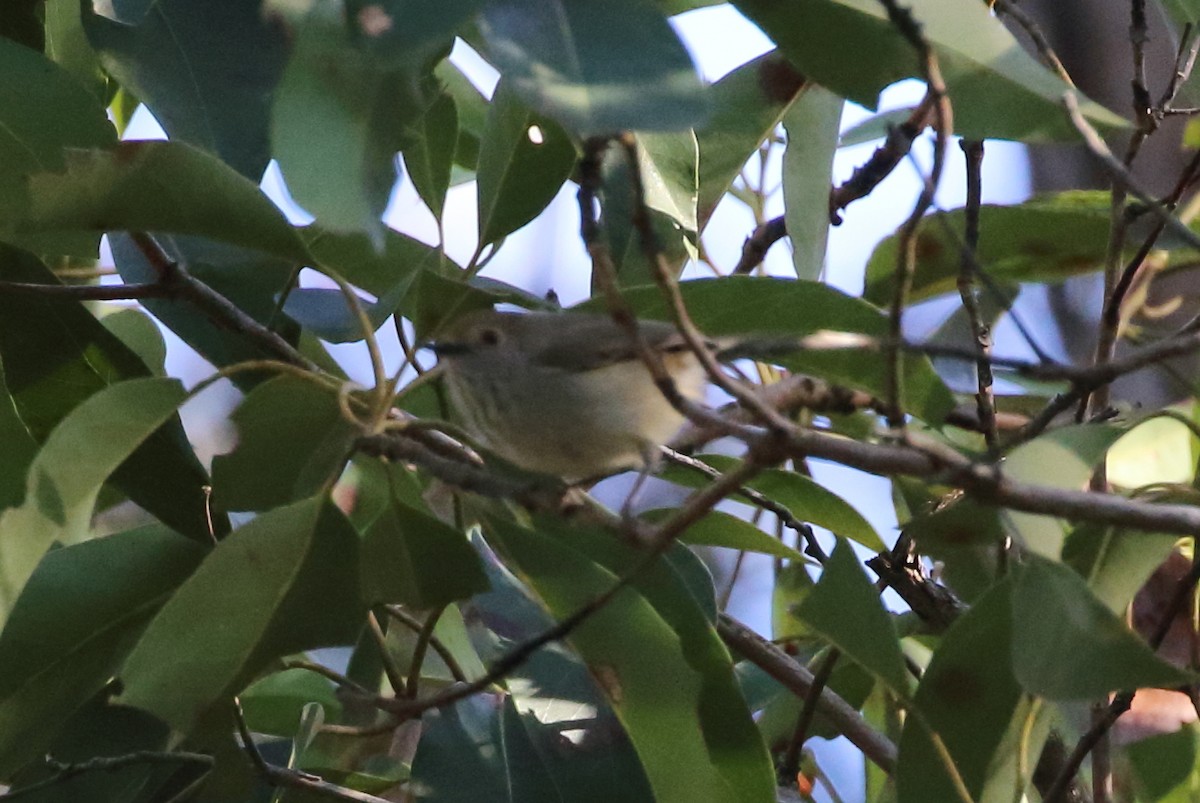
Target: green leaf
(1159,449)
(141,335)
(409,556)
(524,159)
(969,698)
(998,90)
(668,166)
(327,314)
(1115,562)
(149,186)
(250,279)
(845,608)
(338,120)
(748,105)
(1165,766)
(284,583)
(55,354)
(354,256)
(1046,239)
(407,32)
(741,305)
(19,449)
(19,22)
(68,47)
(293,442)
(429,151)
(652,650)
(206,71)
(1084,651)
(73,623)
(1063,458)
(478,750)
(807,500)
(874,127)
(554,688)
(43,110)
(723,530)
(65,477)
(812,130)
(274,704)
(595,68)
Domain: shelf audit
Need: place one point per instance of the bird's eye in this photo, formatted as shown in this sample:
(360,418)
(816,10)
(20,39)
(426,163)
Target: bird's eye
(489,337)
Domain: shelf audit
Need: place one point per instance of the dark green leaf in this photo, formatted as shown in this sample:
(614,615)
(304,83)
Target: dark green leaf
(477,750)
(293,442)
(274,704)
(1165,766)
(43,110)
(74,621)
(1063,458)
(19,449)
(553,687)
(807,500)
(65,477)
(657,658)
(55,354)
(68,47)
(327,314)
(595,68)
(141,335)
(1046,239)
(379,271)
(969,698)
(1083,651)
(724,530)
(523,161)
(407,32)
(667,162)
(429,151)
(845,608)
(20,23)
(748,105)
(1115,562)
(812,131)
(999,91)
(207,71)
(250,279)
(411,557)
(149,186)
(338,120)
(284,583)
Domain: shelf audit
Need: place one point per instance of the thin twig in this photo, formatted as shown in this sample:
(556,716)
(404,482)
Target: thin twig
(64,772)
(797,679)
(985,401)
(215,306)
(790,764)
(88,292)
(1034,31)
(754,250)
(1120,174)
(424,637)
(883,161)
(657,543)
(443,652)
(906,255)
(390,668)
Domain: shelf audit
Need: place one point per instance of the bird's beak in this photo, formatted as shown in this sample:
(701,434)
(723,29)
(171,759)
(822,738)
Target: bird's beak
(447,348)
